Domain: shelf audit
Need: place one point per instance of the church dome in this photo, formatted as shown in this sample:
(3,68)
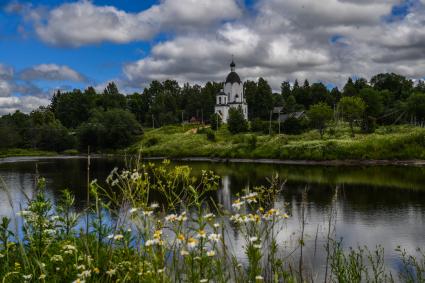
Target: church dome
(233,77)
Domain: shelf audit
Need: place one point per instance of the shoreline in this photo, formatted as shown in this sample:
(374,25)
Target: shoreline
(351,162)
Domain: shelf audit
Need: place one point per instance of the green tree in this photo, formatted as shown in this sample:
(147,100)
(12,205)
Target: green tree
(319,114)
(215,121)
(352,109)
(373,110)
(349,88)
(236,122)
(112,129)
(396,84)
(416,106)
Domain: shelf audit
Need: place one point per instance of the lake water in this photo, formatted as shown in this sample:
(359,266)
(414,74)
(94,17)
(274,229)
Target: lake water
(376,205)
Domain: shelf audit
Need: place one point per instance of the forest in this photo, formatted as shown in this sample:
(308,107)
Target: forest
(111,120)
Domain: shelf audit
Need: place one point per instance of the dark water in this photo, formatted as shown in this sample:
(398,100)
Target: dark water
(382,205)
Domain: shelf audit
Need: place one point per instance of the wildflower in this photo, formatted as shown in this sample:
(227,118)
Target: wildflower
(56,258)
(236,218)
(192,242)
(111,272)
(84,274)
(161,270)
(259,278)
(257,246)
(114,183)
(149,243)
(154,205)
(182,217)
(69,248)
(42,276)
(250,198)
(202,234)
(55,217)
(180,238)
(216,225)
(203,280)
(135,176)
(147,213)
(118,237)
(209,216)
(157,234)
(133,210)
(214,237)
(171,218)
(78,281)
(96,270)
(211,253)
(253,239)
(27,277)
(286,216)
(110,236)
(184,253)
(82,266)
(237,204)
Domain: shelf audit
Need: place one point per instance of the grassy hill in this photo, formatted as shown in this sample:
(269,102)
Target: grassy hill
(391,142)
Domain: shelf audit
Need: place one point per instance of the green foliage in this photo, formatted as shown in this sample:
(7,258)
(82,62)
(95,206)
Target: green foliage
(320,114)
(215,121)
(210,135)
(416,106)
(352,109)
(110,129)
(294,126)
(236,122)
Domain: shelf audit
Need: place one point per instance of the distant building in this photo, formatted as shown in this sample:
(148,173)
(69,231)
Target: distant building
(297,115)
(231,96)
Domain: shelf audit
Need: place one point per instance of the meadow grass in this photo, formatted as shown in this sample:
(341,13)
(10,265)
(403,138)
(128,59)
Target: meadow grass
(24,152)
(387,143)
(184,238)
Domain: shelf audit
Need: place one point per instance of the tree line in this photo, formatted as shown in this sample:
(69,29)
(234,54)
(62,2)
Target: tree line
(110,119)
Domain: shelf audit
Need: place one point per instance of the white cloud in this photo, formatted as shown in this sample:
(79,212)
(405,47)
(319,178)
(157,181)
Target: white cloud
(23,103)
(82,22)
(51,72)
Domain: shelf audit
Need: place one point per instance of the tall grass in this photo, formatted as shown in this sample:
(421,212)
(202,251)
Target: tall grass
(395,142)
(184,237)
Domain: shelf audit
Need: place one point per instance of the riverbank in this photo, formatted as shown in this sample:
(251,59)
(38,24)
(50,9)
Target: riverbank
(16,152)
(392,144)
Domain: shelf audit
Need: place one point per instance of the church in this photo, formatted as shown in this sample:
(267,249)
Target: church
(232,96)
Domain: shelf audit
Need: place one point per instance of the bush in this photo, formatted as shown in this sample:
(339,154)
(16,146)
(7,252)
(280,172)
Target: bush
(294,126)
(151,141)
(236,122)
(215,121)
(210,135)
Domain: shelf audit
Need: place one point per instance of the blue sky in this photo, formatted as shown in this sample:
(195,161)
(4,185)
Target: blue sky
(47,45)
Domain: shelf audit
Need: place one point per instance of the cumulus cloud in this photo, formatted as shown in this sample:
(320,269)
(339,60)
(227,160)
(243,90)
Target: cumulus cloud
(23,103)
(18,90)
(51,72)
(327,40)
(82,22)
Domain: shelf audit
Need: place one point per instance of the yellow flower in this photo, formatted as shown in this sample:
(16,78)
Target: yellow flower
(181,237)
(157,234)
(96,270)
(201,233)
(192,242)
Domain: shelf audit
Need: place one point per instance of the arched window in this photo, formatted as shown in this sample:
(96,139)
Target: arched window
(219,100)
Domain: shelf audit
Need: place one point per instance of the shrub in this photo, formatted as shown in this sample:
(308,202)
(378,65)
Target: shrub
(215,121)
(210,135)
(236,122)
(151,141)
(294,126)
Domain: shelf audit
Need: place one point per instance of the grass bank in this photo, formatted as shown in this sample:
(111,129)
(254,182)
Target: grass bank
(387,143)
(24,152)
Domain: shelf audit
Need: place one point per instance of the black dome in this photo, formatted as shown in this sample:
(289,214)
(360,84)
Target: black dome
(233,77)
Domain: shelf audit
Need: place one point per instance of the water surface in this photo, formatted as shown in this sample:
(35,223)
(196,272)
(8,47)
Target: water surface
(375,205)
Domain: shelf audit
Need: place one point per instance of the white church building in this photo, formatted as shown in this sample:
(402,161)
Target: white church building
(232,96)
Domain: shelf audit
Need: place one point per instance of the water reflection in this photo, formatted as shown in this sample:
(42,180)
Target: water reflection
(376,205)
